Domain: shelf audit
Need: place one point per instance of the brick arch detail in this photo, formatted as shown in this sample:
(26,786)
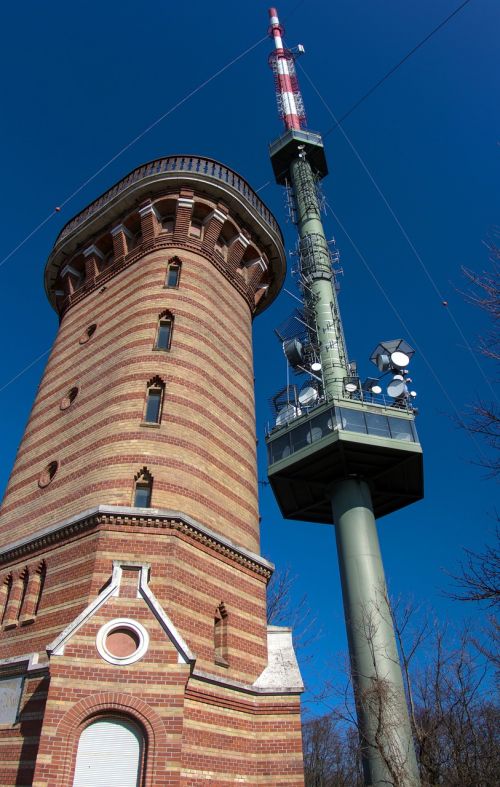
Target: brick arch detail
(102,704)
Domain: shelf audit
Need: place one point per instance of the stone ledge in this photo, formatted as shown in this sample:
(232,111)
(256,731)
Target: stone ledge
(148,517)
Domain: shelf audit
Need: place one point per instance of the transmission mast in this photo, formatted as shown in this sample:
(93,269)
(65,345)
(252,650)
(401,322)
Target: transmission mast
(340,452)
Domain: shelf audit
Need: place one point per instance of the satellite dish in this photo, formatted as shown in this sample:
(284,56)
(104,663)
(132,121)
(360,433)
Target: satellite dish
(413,394)
(287,413)
(400,359)
(376,389)
(351,384)
(383,362)
(397,387)
(293,351)
(316,366)
(308,395)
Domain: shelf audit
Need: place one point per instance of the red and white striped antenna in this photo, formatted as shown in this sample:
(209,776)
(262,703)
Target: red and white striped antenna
(282,62)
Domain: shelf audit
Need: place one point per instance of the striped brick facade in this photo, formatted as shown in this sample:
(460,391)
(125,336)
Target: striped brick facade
(76,553)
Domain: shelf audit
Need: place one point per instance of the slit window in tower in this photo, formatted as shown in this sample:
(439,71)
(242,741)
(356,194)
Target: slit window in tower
(173,275)
(164,334)
(220,636)
(154,399)
(142,493)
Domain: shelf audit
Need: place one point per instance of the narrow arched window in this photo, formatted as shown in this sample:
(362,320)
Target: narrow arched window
(110,754)
(164,331)
(173,274)
(220,636)
(143,487)
(154,401)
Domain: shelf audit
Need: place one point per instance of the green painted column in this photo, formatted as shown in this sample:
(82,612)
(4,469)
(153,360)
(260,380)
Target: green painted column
(384,724)
(320,293)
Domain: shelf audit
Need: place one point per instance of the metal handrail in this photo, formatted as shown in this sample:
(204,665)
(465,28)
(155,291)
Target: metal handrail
(368,402)
(195,164)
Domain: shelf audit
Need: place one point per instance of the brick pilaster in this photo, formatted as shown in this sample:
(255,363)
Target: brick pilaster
(93,259)
(70,279)
(260,293)
(236,252)
(256,270)
(213,226)
(10,620)
(120,235)
(183,218)
(28,613)
(149,223)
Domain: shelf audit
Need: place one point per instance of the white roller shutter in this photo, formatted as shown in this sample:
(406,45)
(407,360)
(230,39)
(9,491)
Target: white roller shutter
(109,755)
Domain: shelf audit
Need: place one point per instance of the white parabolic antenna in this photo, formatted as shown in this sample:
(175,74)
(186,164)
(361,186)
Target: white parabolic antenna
(400,359)
(308,395)
(376,389)
(397,387)
(287,413)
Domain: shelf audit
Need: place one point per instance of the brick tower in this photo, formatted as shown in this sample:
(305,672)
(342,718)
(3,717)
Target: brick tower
(133,647)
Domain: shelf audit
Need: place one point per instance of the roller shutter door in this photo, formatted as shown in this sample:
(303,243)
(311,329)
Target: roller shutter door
(109,755)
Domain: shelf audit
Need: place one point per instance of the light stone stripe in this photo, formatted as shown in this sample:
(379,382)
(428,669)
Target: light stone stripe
(223,467)
(145,368)
(238,756)
(94,416)
(191,477)
(111,315)
(225,778)
(182,350)
(183,337)
(112,307)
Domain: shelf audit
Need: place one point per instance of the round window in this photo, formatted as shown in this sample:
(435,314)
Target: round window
(88,333)
(48,474)
(70,397)
(122,641)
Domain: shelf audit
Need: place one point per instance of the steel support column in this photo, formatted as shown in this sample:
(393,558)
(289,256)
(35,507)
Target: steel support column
(384,724)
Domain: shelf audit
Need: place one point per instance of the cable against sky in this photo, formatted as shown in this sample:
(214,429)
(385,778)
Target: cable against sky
(395,68)
(19,374)
(129,145)
(405,235)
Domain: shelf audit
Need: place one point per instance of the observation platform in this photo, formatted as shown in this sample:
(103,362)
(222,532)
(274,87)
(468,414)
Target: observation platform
(283,150)
(345,439)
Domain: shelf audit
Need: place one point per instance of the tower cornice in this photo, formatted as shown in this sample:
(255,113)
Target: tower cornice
(208,177)
(150,518)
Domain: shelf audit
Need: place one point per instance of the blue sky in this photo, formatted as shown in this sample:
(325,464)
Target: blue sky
(82,81)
